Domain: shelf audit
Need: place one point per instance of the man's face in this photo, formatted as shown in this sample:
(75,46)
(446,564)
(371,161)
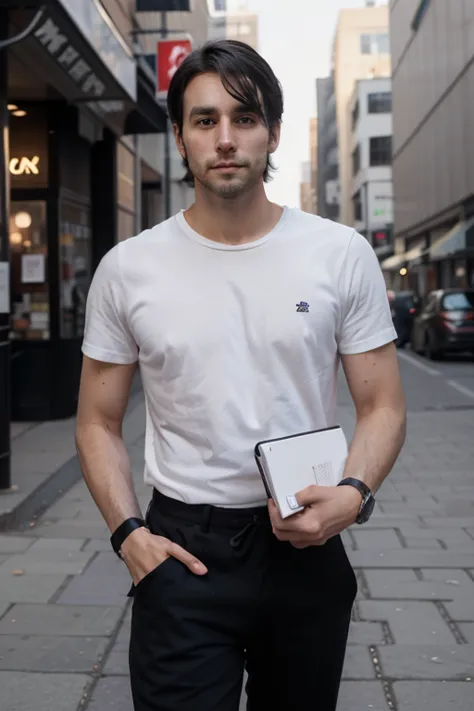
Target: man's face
(226,146)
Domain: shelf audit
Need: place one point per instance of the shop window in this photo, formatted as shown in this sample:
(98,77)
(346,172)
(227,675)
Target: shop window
(381,150)
(75,267)
(29,271)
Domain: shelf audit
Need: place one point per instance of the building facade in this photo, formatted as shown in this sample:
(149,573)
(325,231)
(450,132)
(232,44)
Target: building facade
(85,170)
(328,185)
(361,51)
(231,19)
(372,189)
(433,151)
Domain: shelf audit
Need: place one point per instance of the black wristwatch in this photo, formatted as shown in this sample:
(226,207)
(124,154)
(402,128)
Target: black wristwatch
(368,501)
(123,531)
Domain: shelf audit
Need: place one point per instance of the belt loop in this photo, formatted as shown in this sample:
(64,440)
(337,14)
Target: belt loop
(206,518)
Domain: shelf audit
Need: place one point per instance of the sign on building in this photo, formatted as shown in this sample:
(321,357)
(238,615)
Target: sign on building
(170,54)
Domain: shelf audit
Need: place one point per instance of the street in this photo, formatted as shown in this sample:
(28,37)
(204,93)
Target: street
(64,614)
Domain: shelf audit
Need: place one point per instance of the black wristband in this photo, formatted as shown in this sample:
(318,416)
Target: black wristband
(123,531)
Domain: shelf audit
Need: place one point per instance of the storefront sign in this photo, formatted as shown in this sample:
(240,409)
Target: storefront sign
(59,47)
(170,54)
(32,268)
(24,166)
(98,30)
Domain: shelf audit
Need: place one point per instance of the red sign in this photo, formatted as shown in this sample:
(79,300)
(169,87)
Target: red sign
(170,54)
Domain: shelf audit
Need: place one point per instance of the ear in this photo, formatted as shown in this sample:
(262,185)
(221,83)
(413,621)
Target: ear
(179,141)
(274,137)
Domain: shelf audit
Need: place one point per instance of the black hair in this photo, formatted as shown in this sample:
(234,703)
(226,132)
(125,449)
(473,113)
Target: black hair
(245,75)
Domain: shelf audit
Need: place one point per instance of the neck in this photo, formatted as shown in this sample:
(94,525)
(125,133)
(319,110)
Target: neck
(233,221)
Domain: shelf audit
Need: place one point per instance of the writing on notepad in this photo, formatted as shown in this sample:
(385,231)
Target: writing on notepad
(324,474)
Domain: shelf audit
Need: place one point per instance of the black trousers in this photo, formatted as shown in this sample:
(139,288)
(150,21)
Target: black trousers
(279,612)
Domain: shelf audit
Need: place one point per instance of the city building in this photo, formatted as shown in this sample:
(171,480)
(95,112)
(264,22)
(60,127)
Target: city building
(86,170)
(307,192)
(313,153)
(361,51)
(328,186)
(433,151)
(231,19)
(372,190)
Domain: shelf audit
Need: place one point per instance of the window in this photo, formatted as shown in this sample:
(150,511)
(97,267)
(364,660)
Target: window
(462,301)
(357,203)
(375,43)
(356,160)
(355,114)
(420,13)
(29,270)
(380,103)
(381,150)
(220,5)
(75,267)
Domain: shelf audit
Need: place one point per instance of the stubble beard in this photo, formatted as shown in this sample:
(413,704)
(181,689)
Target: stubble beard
(236,186)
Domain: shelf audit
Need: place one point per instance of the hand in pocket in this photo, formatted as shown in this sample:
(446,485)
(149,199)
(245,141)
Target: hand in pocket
(142,552)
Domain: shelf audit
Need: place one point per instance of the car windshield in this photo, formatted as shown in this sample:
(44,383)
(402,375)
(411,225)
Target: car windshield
(460,301)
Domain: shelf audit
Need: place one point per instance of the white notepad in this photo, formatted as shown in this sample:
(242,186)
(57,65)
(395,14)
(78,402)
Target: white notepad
(289,464)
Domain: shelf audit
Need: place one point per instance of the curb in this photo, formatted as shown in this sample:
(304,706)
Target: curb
(50,490)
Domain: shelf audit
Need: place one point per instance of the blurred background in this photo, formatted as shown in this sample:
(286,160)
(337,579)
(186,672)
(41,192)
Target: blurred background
(378,134)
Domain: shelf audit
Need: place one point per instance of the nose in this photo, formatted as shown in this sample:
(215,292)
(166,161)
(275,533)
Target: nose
(225,136)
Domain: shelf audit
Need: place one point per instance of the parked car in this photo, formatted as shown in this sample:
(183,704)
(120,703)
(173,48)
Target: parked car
(445,323)
(403,305)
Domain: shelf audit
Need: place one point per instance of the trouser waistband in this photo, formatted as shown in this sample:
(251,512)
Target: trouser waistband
(208,515)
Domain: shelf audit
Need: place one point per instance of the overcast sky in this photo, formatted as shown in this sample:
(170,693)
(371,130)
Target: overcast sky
(296,37)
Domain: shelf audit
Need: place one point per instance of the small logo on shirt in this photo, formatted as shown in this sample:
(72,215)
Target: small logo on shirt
(302,306)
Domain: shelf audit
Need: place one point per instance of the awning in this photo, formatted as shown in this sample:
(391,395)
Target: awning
(79,50)
(147,116)
(459,239)
(395,262)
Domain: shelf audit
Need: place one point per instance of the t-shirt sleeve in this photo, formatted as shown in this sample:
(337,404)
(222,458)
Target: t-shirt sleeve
(107,334)
(366,321)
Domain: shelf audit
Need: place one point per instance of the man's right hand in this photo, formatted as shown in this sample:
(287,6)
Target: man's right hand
(142,552)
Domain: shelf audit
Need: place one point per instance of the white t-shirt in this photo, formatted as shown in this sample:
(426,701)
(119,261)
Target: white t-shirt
(236,344)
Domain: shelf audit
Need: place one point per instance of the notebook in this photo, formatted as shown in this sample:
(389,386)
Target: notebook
(289,464)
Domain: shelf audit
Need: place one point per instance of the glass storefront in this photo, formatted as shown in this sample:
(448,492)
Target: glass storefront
(75,267)
(29,271)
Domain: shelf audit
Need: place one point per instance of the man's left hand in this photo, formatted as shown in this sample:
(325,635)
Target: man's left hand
(328,511)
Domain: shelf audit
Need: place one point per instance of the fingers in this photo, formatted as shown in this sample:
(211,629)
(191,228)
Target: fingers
(313,494)
(189,560)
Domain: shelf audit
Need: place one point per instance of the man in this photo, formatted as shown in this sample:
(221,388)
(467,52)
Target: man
(237,311)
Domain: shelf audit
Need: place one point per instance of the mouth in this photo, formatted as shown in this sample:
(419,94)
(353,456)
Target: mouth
(224,167)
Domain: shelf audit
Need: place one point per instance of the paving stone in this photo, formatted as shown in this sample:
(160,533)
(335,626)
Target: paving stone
(50,654)
(15,544)
(410,559)
(358,664)
(365,696)
(404,585)
(409,622)
(55,544)
(4,607)
(448,521)
(23,691)
(365,633)
(386,539)
(97,544)
(63,620)
(427,662)
(117,661)
(28,588)
(467,629)
(105,582)
(421,507)
(54,562)
(422,543)
(462,608)
(111,692)
(434,695)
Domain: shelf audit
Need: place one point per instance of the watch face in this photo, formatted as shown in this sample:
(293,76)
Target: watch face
(366,509)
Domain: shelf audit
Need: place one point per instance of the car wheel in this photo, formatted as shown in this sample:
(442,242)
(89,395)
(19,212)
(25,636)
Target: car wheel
(430,352)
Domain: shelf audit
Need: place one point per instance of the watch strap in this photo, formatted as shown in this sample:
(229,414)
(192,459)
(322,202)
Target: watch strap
(357,484)
(123,531)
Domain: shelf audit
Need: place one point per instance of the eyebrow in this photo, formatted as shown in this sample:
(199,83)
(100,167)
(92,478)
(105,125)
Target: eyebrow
(211,110)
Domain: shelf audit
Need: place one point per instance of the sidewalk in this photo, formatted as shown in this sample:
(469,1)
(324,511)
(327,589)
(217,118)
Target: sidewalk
(64,614)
